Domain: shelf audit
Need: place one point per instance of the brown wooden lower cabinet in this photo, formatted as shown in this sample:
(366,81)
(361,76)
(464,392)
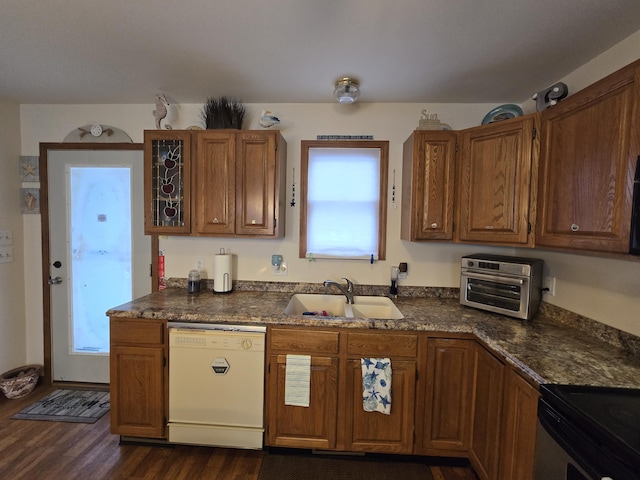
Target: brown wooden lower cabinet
(488,385)
(335,419)
(314,426)
(505,413)
(447,413)
(518,442)
(375,431)
(304,427)
(458,397)
(138,377)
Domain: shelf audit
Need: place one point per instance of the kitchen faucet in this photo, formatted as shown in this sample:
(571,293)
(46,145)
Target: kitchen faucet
(348,292)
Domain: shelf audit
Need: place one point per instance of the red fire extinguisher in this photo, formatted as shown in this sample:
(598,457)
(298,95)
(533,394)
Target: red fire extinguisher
(162,281)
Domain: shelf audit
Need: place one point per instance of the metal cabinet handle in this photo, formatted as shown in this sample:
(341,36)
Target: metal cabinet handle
(434,225)
(575,228)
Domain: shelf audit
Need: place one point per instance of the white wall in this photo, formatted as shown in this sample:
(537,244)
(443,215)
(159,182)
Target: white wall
(602,289)
(12,304)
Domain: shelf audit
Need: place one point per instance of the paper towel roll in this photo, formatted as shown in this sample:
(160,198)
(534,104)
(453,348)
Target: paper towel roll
(222,269)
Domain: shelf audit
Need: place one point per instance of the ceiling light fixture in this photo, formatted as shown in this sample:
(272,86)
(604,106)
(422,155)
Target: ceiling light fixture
(347,90)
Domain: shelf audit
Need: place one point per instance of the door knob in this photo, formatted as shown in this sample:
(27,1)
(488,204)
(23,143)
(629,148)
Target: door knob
(55,281)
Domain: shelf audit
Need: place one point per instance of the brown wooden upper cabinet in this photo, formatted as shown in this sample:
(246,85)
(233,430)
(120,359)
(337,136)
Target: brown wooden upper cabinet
(496,175)
(428,172)
(492,168)
(589,145)
(167,182)
(215,183)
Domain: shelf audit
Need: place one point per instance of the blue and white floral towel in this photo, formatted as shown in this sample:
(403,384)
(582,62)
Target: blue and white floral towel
(376,385)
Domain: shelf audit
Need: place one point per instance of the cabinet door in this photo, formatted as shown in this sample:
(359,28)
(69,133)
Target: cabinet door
(258,170)
(487,413)
(428,171)
(137,391)
(495,183)
(448,398)
(215,183)
(138,377)
(590,144)
(519,432)
(375,431)
(304,427)
(167,182)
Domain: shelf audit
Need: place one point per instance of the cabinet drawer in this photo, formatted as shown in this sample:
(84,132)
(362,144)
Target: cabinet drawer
(310,341)
(382,344)
(139,332)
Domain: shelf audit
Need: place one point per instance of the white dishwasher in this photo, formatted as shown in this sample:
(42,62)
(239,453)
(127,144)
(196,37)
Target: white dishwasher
(216,385)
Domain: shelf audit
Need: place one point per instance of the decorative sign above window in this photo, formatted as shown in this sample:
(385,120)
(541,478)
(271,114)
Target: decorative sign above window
(344,137)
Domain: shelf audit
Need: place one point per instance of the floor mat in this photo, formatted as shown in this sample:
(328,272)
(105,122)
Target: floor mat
(78,406)
(321,467)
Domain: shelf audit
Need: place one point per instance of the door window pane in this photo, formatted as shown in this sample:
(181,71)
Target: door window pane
(100,252)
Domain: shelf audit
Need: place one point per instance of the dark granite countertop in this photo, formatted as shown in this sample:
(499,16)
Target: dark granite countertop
(546,348)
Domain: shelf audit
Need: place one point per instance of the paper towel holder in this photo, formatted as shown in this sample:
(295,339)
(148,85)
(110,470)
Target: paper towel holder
(222,272)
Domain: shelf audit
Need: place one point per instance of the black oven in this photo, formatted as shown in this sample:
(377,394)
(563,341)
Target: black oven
(588,433)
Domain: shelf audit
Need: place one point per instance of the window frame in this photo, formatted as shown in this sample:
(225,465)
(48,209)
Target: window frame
(383,146)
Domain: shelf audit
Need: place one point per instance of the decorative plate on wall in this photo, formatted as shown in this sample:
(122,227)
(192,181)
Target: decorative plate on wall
(97,133)
(503,112)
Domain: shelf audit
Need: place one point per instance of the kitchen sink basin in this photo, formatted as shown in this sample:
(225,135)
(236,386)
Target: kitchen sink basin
(307,303)
(336,306)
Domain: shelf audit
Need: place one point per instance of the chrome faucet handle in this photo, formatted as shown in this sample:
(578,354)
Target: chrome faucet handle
(349,284)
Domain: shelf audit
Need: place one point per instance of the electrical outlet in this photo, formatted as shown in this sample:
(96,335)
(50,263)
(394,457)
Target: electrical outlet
(550,284)
(283,270)
(200,264)
(402,270)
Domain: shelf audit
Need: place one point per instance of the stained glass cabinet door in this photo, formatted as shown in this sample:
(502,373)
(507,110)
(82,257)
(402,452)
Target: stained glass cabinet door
(167,176)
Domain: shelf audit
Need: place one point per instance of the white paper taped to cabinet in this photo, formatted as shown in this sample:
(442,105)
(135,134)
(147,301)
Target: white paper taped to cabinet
(297,380)
(376,385)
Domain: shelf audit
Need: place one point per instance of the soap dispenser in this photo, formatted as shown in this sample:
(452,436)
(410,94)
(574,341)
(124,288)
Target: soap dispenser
(393,290)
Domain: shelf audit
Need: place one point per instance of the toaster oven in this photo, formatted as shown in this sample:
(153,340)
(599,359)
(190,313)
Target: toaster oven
(508,285)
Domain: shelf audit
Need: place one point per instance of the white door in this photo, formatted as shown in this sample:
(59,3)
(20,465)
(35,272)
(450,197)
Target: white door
(99,254)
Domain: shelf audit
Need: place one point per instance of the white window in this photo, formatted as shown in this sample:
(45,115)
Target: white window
(343,199)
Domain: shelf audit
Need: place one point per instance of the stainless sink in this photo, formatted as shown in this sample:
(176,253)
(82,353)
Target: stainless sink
(336,306)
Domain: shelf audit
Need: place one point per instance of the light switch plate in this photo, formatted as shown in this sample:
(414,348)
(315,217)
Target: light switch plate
(6,237)
(6,254)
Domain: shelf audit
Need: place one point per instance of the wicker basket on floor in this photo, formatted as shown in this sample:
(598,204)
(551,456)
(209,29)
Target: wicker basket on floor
(20,382)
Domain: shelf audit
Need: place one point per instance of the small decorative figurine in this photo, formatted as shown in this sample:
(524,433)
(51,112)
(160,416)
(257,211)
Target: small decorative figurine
(550,96)
(161,111)
(268,120)
(430,121)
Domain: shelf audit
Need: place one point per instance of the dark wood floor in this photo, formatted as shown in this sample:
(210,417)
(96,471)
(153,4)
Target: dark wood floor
(78,451)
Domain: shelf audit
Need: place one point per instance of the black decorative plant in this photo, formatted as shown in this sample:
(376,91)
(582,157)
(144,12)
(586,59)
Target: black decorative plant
(223,112)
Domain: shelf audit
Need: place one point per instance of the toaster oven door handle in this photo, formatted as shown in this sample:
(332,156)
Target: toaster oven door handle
(494,278)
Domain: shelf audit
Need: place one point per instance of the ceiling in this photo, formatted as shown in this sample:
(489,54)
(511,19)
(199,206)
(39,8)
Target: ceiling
(292,51)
